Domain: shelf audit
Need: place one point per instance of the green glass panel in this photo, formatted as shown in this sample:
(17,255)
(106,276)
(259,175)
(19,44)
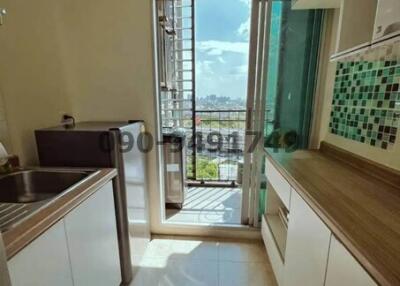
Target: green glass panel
(292,60)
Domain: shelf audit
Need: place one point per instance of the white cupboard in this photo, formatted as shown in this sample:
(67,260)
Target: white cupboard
(92,241)
(312,255)
(307,246)
(44,261)
(79,250)
(343,269)
(387,21)
(355,25)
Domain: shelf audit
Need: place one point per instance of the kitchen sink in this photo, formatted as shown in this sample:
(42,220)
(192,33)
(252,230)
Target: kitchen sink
(29,186)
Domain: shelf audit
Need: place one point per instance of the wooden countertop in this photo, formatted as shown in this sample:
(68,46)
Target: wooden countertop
(16,238)
(362,210)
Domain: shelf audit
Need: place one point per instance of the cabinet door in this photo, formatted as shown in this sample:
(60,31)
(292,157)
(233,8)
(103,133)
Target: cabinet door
(43,262)
(343,269)
(307,246)
(92,240)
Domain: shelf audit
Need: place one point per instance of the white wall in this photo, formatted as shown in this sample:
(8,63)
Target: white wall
(91,58)
(31,71)
(110,68)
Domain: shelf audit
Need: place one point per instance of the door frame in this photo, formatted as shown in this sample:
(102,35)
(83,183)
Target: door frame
(255,115)
(159,224)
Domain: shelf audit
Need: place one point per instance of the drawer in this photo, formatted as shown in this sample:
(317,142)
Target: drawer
(279,183)
(272,251)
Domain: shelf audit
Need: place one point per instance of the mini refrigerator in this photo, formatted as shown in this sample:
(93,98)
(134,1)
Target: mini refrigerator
(117,145)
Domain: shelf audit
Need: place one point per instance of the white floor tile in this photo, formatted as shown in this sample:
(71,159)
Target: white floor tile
(196,250)
(242,273)
(193,273)
(232,273)
(181,261)
(260,274)
(159,248)
(242,252)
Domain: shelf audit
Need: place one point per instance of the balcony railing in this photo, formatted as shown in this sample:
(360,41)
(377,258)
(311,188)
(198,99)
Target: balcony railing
(219,145)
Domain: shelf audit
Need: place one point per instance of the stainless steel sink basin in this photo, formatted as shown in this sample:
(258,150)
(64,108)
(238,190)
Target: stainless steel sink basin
(30,186)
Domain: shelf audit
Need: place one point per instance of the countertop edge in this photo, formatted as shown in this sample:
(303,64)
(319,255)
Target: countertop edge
(335,228)
(17,238)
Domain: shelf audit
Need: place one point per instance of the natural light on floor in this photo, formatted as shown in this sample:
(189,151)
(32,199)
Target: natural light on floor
(176,261)
(212,205)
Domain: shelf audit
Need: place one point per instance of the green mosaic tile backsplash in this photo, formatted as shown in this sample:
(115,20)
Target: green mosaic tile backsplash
(366,102)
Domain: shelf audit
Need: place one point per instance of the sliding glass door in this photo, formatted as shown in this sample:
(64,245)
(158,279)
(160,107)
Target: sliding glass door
(283,66)
(291,73)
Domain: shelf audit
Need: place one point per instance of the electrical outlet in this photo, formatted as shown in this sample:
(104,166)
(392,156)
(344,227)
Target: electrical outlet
(3,12)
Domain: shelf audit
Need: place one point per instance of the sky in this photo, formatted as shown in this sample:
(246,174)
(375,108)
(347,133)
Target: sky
(222,47)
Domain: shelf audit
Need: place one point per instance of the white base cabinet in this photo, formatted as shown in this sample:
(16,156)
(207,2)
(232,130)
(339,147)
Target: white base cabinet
(79,250)
(313,256)
(343,269)
(44,262)
(307,246)
(92,241)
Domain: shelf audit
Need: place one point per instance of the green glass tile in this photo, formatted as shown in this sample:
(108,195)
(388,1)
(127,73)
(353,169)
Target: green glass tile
(364,101)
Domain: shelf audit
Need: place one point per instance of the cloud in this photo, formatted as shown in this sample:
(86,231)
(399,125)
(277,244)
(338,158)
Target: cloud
(247,2)
(244,28)
(221,60)
(204,67)
(239,70)
(243,69)
(217,48)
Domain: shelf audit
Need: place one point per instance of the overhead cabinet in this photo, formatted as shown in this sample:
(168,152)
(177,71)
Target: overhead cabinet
(361,24)
(355,25)
(387,21)
(364,24)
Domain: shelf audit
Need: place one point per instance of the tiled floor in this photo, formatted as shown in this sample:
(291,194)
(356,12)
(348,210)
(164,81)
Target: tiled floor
(177,261)
(208,206)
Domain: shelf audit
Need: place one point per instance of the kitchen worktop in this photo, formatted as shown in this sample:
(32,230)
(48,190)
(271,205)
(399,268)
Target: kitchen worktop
(20,235)
(357,199)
